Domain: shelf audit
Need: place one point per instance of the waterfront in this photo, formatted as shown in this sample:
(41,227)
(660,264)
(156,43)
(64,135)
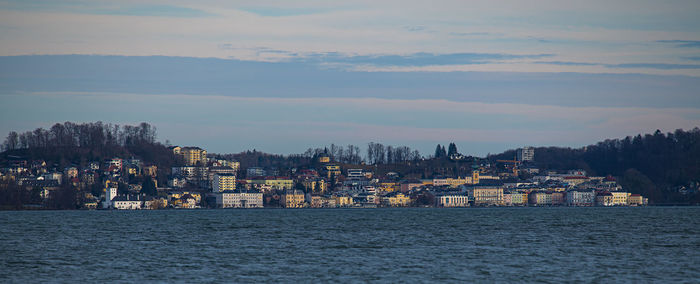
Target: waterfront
(660,244)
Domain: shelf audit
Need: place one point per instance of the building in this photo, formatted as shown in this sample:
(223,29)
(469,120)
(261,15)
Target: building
(223,182)
(452,200)
(604,198)
(196,196)
(396,199)
(151,171)
(332,170)
(518,198)
(526,154)
(193,156)
(635,200)
(232,199)
(558,198)
(620,198)
(539,198)
(127,202)
(293,199)
(580,198)
(276,183)
(409,185)
(486,195)
(343,201)
(355,174)
(255,172)
(110,193)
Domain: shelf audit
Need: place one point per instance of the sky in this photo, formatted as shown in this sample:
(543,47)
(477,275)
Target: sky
(283,76)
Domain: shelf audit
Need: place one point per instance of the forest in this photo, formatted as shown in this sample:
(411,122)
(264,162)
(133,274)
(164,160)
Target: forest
(659,165)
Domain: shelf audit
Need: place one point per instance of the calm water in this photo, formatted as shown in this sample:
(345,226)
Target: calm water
(353,245)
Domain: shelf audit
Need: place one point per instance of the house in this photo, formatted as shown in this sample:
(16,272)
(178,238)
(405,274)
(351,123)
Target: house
(604,198)
(558,198)
(620,198)
(635,200)
(396,199)
(343,200)
(409,185)
(187,200)
(539,198)
(293,199)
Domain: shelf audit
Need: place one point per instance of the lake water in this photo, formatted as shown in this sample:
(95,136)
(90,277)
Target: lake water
(657,244)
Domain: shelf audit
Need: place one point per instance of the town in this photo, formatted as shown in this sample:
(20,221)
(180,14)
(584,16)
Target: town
(202,181)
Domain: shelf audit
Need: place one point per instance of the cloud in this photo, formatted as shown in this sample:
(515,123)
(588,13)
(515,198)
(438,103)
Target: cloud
(654,66)
(283,12)
(662,66)
(682,43)
(98,8)
(566,63)
(201,76)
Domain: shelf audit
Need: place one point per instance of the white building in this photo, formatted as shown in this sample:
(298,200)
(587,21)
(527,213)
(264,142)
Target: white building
(452,200)
(128,202)
(110,194)
(231,199)
(355,174)
(526,154)
(223,182)
(580,198)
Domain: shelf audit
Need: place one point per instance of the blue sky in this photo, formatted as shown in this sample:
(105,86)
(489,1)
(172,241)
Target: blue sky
(281,76)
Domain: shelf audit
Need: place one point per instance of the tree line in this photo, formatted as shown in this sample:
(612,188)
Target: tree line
(71,134)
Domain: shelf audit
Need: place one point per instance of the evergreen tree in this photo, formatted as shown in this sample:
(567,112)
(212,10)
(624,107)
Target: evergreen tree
(148,187)
(438,151)
(452,150)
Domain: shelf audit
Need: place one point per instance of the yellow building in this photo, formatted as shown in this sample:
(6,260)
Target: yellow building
(193,156)
(620,198)
(343,201)
(293,199)
(397,200)
(486,195)
(333,170)
(223,182)
(475,177)
(324,159)
(314,185)
(274,183)
(388,186)
(635,200)
(179,194)
(456,182)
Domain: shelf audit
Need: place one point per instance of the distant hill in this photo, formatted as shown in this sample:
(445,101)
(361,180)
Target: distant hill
(66,144)
(655,165)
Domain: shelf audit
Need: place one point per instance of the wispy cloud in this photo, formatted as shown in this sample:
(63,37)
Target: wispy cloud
(662,66)
(682,43)
(567,63)
(283,12)
(98,8)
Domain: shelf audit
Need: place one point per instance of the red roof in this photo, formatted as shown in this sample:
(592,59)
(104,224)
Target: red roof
(575,177)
